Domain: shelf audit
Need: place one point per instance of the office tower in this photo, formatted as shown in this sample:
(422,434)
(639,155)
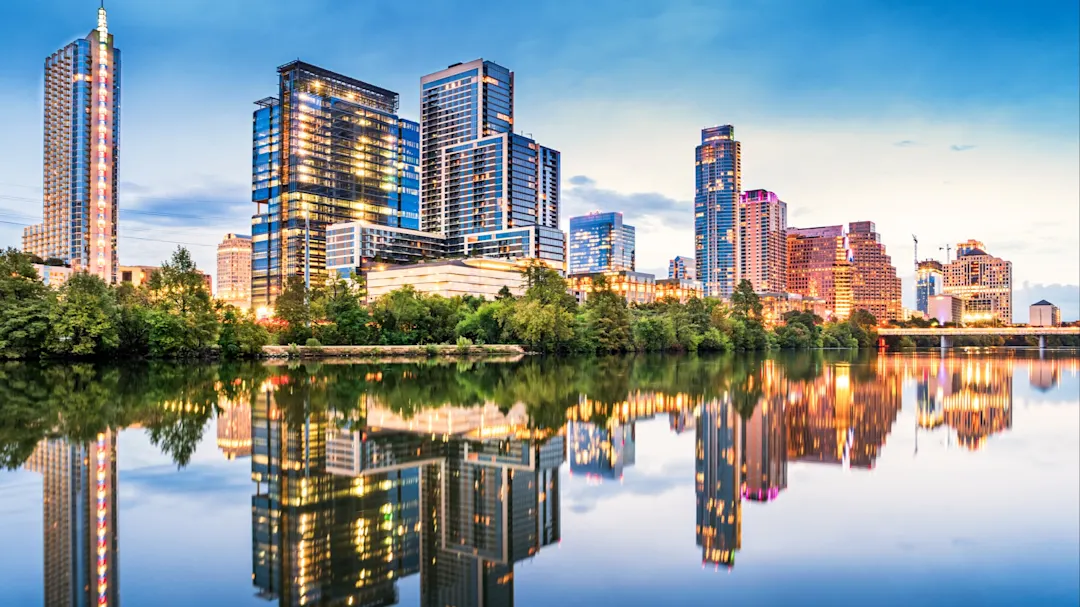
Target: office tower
(234,271)
(819,265)
(720,469)
(682,268)
(80,516)
(763,241)
(601,242)
(600,451)
(716,210)
(82,130)
(766,440)
(489,191)
(874,284)
(328,149)
(983,281)
(929,281)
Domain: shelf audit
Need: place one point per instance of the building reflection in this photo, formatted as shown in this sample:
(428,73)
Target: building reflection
(719,473)
(79,512)
(234,427)
(974,398)
(457,495)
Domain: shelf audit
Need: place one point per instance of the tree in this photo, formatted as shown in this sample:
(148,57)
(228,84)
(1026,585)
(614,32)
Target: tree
(25,306)
(178,290)
(745,303)
(607,318)
(84,320)
(486,325)
(241,336)
(654,334)
(293,307)
(400,315)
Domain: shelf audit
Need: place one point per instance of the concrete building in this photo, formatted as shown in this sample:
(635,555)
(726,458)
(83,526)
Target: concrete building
(474,276)
(875,286)
(53,276)
(234,271)
(763,241)
(775,305)
(680,289)
(82,130)
(946,308)
(983,281)
(682,267)
(601,242)
(636,287)
(718,181)
(819,266)
(1044,314)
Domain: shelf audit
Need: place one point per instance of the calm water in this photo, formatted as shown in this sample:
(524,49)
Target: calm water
(790,480)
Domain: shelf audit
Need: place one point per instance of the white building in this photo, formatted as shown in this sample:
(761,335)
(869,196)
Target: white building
(479,277)
(1044,314)
(946,308)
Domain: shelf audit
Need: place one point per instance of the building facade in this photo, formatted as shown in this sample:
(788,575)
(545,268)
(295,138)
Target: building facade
(449,278)
(1044,314)
(140,276)
(53,276)
(929,281)
(819,266)
(983,281)
(328,149)
(481,182)
(635,287)
(874,284)
(679,289)
(763,241)
(234,271)
(82,130)
(718,181)
(683,268)
(356,247)
(945,309)
(601,242)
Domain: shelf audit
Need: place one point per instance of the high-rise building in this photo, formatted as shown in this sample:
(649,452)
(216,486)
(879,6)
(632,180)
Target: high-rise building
(82,130)
(328,149)
(489,191)
(983,281)
(929,281)
(683,268)
(819,266)
(716,210)
(763,241)
(234,271)
(874,284)
(80,516)
(765,438)
(720,470)
(601,242)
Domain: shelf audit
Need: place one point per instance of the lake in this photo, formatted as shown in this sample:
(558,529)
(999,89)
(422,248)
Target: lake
(819,478)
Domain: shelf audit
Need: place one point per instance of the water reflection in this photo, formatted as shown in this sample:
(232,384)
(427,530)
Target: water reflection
(364,475)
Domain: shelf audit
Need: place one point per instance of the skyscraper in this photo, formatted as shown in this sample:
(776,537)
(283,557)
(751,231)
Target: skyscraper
(716,210)
(983,281)
(763,241)
(82,129)
(601,242)
(328,149)
(489,191)
(874,284)
(234,271)
(819,265)
(929,280)
(720,471)
(682,268)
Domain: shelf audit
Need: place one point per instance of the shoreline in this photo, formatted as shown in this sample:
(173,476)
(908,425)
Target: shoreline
(392,352)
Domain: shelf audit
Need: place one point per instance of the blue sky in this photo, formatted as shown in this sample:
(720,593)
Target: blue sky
(948,120)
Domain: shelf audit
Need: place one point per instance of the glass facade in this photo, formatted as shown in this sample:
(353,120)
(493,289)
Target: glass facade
(547,244)
(600,242)
(357,246)
(929,281)
(716,210)
(329,149)
(682,268)
(82,131)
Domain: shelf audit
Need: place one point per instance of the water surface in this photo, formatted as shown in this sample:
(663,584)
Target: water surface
(810,479)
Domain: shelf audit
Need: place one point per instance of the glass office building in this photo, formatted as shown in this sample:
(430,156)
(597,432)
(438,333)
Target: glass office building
(328,149)
(82,130)
(929,281)
(601,242)
(716,210)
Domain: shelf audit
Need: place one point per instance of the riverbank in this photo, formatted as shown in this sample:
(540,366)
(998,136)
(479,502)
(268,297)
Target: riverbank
(391,352)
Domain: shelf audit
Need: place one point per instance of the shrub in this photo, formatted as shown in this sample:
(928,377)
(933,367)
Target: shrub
(463,344)
(313,343)
(431,350)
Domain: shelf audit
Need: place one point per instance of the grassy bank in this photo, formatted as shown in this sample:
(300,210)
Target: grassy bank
(396,352)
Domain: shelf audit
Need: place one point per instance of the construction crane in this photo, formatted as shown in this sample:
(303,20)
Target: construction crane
(948,249)
(916,239)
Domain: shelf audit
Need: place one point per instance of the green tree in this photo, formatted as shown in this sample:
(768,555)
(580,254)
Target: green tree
(293,308)
(654,334)
(178,290)
(745,303)
(25,307)
(84,320)
(241,336)
(607,318)
(401,316)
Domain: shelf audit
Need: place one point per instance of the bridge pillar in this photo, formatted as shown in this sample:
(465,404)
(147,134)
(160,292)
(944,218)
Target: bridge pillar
(946,342)
(1042,343)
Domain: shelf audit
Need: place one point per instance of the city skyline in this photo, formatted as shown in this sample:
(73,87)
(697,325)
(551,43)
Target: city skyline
(936,142)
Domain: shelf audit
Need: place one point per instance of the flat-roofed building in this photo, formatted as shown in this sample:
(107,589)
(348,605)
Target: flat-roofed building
(1044,314)
(479,277)
(680,289)
(53,276)
(636,287)
(946,308)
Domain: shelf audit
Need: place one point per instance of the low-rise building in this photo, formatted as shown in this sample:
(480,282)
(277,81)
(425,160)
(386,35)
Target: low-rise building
(1044,314)
(636,287)
(53,276)
(480,277)
(775,305)
(358,246)
(681,289)
(946,308)
(140,276)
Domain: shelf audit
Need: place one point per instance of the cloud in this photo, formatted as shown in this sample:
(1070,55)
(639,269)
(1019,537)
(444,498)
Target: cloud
(961,147)
(643,207)
(1064,296)
(634,482)
(208,203)
(906,143)
(581,180)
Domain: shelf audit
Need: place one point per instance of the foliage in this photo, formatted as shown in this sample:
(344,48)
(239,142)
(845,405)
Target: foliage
(84,320)
(25,307)
(292,307)
(607,318)
(241,336)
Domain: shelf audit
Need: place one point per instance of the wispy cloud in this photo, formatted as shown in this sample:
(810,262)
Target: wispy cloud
(906,143)
(961,147)
(584,196)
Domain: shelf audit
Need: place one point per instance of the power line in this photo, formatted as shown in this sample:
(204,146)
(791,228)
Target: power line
(191,244)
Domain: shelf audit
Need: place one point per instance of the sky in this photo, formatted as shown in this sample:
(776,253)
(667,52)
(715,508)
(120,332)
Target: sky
(948,121)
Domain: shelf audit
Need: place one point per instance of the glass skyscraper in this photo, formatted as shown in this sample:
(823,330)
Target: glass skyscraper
(329,149)
(82,129)
(489,191)
(601,242)
(929,281)
(716,210)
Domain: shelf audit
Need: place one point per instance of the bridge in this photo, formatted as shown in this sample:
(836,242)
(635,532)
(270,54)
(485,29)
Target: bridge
(948,333)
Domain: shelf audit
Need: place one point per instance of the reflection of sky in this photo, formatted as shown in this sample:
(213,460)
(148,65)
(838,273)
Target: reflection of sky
(948,526)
